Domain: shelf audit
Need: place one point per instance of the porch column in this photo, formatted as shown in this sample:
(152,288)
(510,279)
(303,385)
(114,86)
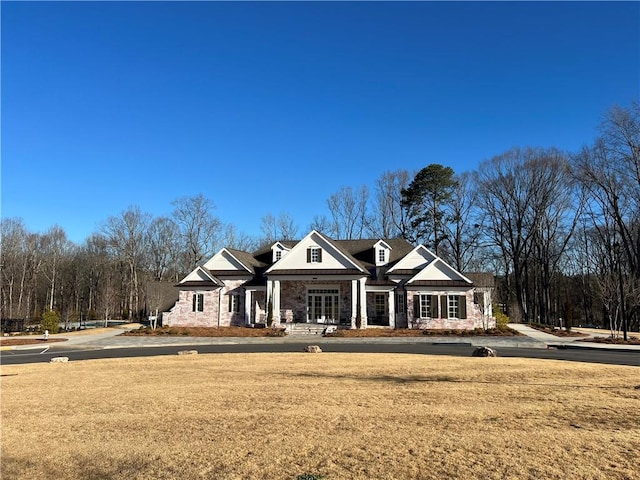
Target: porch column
(276,302)
(392,309)
(363,302)
(248,307)
(354,302)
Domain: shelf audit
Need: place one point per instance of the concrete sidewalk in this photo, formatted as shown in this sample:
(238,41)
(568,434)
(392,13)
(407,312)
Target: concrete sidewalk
(112,338)
(551,341)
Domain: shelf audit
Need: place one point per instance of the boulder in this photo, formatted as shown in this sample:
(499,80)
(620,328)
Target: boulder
(484,352)
(59,360)
(188,352)
(312,349)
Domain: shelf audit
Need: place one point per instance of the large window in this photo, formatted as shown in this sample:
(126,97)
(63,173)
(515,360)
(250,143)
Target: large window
(322,304)
(454,306)
(198,302)
(425,306)
(381,304)
(234,303)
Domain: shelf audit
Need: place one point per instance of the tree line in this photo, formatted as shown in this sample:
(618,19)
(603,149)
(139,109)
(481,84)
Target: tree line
(559,230)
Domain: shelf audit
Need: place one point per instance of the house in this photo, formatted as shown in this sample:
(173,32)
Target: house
(351,283)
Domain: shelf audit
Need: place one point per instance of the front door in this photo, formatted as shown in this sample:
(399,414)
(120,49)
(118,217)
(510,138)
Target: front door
(322,305)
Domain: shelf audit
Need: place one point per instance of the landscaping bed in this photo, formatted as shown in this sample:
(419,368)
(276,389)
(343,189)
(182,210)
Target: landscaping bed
(279,332)
(558,332)
(615,340)
(416,332)
(206,332)
(10,342)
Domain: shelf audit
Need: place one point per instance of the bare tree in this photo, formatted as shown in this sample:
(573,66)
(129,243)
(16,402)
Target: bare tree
(127,236)
(198,226)
(388,219)
(609,171)
(238,240)
(164,246)
(348,208)
(463,231)
(274,228)
(321,224)
(55,248)
(530,218)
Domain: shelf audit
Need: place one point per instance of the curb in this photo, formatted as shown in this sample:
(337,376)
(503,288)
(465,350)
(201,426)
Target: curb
(569,346)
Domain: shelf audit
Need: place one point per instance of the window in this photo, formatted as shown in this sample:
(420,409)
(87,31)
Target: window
(454,306)
(381,305)
(198,302)
(278,255)
(314,255)
(382,255)
(234,303)
(401,303)
(425,306)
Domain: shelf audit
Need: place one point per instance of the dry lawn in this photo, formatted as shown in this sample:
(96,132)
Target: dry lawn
(342,416)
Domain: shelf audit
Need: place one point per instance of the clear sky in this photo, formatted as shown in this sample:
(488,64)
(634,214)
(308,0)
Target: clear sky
(271,107)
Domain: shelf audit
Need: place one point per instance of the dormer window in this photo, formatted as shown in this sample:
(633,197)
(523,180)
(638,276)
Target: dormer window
(382,252)
(314,255)
(278,251)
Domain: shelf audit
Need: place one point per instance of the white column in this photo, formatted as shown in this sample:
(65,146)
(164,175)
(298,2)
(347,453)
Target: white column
(392,309)
(354,302)
(276,301)
(248,307)
(363,302)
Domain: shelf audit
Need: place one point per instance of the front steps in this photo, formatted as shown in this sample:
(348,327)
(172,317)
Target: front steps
(306,328)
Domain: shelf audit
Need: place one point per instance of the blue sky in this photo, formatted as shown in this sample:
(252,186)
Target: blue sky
(271,107)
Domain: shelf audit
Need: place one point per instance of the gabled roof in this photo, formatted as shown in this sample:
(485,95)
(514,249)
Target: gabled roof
(333,248)
(363,250)
(231,261)
(200,277)
(438,271)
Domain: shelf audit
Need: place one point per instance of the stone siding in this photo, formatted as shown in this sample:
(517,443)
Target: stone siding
(474,318)
(293,299)
(182,314)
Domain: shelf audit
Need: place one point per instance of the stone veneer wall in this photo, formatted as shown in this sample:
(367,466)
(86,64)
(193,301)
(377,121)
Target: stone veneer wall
(182,314)
(232,287)
(474,315)
(293,299)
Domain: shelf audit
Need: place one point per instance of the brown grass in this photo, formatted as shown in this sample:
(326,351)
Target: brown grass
(344,416)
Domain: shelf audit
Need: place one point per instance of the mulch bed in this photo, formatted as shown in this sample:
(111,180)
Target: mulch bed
(415,332)
(270,332)
(206,332)
(615,341)
(558,332)
(10,342)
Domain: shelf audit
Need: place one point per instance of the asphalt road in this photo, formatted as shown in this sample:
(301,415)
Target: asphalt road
(14,357)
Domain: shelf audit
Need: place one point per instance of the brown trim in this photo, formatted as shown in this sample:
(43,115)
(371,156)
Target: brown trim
(439,283)
(316,272)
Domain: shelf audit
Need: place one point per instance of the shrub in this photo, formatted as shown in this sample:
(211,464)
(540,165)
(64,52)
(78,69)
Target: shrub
(270,313)
(310,476)
(501,319)
(50,321)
